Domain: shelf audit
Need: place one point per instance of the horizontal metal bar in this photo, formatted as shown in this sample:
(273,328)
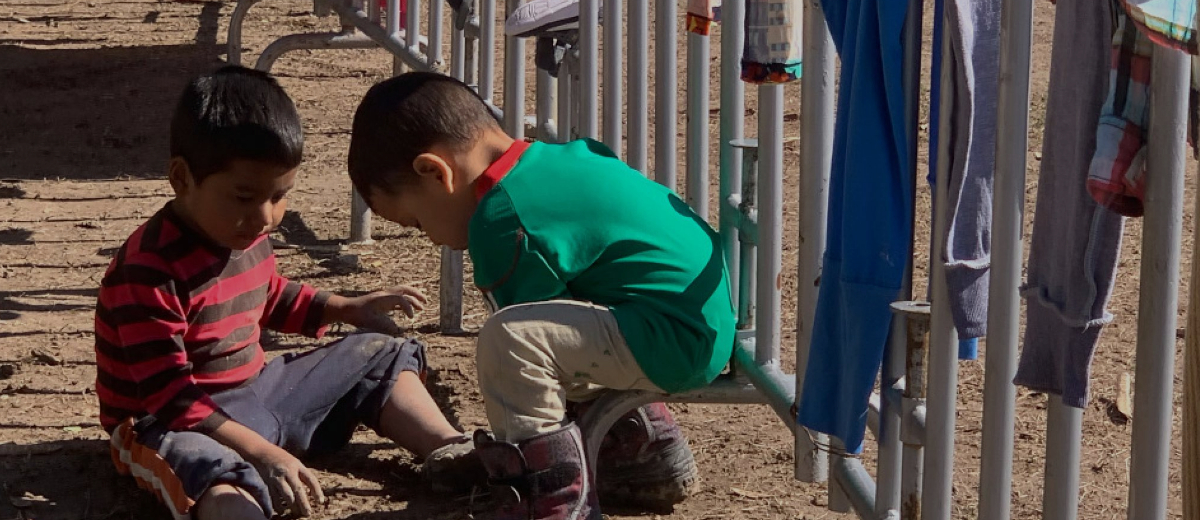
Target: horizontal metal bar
(412,58)
(778,388)
(346,39)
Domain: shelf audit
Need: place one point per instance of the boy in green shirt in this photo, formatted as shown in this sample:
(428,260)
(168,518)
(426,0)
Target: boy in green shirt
(597,279)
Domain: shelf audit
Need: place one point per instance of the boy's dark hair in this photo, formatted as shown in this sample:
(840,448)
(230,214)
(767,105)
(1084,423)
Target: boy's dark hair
(406,116)
(235,113)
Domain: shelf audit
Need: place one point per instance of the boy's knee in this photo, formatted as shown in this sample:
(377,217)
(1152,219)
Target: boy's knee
(225,501)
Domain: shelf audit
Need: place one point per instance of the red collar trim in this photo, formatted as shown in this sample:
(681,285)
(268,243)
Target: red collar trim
(492,175)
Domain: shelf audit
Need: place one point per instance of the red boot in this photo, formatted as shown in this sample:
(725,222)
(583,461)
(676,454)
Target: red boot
(543,478)
(644,460)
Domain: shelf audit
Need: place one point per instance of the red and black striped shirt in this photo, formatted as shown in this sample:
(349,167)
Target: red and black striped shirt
(179,318)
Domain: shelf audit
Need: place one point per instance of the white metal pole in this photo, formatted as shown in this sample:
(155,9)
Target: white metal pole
(770,225)
(666,70)
(639,85)
(696,162)
(589,57)
(1159,294)
(487,50)
(436,24)
(817,94)
(1060,490)
(514,80)
(613,72)
(943,338)
(1004,301)
(733,122)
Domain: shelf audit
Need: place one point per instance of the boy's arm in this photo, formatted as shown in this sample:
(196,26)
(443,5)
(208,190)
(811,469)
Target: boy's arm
(299,308)
(295,308)
(510,268)
(139,328)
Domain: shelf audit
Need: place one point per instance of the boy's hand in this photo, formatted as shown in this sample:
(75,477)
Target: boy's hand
(370,311)
(290,482)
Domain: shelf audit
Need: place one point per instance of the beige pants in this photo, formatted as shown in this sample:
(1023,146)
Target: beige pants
(532,358)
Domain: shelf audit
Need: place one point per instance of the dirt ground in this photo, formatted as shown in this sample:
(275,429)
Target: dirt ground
(86,88)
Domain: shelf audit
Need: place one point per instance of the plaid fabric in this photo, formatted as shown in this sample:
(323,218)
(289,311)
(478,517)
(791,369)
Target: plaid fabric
(1115,178)
(701,14)
(773,41)
(1167,22)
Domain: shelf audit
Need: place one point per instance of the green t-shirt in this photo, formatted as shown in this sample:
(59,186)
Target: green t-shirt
(572,221)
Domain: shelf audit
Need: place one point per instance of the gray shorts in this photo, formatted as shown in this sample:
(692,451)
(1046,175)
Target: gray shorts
(308,404)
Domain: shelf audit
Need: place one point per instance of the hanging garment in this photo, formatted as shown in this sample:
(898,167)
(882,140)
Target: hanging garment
(1116,178)
(1075,243)
(968,348)
(1167,22)
(772,49)
(870,210)
(974,67)
(701,14)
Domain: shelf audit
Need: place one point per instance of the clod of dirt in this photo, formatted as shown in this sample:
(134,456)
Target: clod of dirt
(45,356)
(343,264)
(7,371)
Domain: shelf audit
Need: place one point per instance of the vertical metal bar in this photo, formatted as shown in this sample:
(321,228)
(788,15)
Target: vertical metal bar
(915,323)
(1004,304)
(696,163)
(889,461)
(589,60)
(770,222)
(816,159)
(487,50)
(412,24)
(889,465)
(639,85)
(567,81)
(412,32)
(436,24)
(451,279)
(733,122)
(547,104)
(360,219)
(666,70)
(747,252)
(1060,498)
(943,348)
(470,51)
(514,79)
(1158,303)
(373,11)
(613,83)
(458,52)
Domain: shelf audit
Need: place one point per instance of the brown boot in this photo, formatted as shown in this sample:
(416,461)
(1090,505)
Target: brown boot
(542,478)
(644,461)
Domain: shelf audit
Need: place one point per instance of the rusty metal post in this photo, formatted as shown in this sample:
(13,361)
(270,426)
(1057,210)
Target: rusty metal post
(915,317)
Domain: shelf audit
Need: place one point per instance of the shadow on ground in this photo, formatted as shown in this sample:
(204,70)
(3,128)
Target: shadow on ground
(100,113)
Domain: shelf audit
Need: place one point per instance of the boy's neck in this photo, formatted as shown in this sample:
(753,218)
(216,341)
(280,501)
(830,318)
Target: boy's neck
(487,150)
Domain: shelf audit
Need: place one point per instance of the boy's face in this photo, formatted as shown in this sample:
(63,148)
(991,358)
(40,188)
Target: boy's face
(434,204)
(235,206)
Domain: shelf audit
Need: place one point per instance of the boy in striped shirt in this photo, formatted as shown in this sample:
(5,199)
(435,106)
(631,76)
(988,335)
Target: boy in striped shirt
(195,411)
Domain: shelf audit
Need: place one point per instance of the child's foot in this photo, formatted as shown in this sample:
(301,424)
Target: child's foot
(454,468)
(645,461)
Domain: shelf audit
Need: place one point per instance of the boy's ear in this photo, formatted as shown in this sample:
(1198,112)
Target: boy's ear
(432,167)
(180,175)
